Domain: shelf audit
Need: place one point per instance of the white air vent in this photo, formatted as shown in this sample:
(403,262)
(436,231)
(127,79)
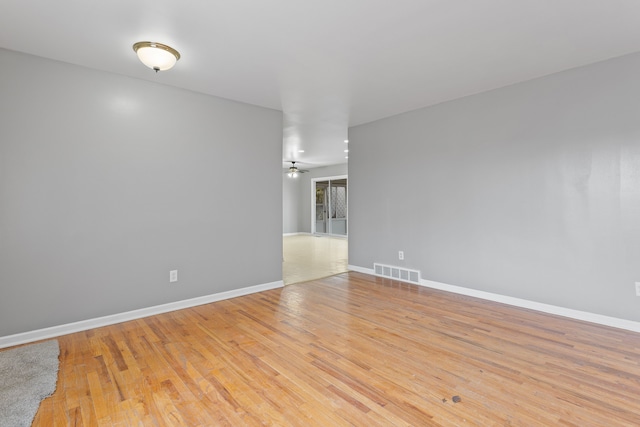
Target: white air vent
(397,273)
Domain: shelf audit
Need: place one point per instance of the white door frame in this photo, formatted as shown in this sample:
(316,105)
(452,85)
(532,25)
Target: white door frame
(313,202)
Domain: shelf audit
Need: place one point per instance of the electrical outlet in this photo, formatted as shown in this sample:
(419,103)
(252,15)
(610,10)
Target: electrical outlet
(638,289)
(173,276)
(400,255)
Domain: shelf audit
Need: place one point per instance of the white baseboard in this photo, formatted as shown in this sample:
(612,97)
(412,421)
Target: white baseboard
(299,233)
(600,319)
(361,269)
(83,325)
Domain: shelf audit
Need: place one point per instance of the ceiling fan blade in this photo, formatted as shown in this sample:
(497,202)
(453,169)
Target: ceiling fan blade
(293,169)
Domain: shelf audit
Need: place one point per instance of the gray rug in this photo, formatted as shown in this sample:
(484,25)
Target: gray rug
(27,375)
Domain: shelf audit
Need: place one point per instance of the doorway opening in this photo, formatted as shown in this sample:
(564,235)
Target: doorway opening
(321,250)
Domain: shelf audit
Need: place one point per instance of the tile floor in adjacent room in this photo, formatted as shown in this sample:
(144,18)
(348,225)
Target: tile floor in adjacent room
(308,257)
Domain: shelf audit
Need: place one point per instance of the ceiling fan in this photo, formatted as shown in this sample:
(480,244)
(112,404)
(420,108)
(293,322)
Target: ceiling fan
(294,171)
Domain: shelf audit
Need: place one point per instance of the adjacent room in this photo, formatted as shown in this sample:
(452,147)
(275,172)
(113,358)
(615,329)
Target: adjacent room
(315,223)
(410,213)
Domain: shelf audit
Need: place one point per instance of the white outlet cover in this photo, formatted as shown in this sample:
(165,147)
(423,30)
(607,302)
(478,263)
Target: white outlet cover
(173,276)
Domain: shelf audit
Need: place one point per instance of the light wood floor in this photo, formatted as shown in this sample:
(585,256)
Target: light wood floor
(347,350)
(308,257)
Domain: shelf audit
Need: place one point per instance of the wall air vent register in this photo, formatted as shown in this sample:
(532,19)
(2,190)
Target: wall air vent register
(397,273)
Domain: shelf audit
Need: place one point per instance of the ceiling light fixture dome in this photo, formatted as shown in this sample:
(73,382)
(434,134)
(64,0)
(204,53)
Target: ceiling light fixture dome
(157,56)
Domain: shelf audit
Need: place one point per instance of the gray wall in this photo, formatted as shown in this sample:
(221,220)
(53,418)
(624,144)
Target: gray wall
(530,191)
(290,204)
(108,182)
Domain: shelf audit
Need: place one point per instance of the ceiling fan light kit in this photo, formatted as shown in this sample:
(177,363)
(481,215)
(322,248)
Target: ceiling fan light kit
(294,171)
(157,56)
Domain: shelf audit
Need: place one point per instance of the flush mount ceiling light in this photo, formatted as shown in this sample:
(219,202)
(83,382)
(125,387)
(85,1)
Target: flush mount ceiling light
(157,56)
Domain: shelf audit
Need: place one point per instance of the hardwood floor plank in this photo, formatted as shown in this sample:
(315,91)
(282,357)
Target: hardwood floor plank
(348,350)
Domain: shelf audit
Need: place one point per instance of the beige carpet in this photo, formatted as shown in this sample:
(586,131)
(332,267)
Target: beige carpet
(28,374)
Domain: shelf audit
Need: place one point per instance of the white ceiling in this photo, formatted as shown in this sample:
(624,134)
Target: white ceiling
(329,64)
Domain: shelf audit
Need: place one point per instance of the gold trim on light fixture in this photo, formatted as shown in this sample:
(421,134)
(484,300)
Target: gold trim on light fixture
(154,56)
